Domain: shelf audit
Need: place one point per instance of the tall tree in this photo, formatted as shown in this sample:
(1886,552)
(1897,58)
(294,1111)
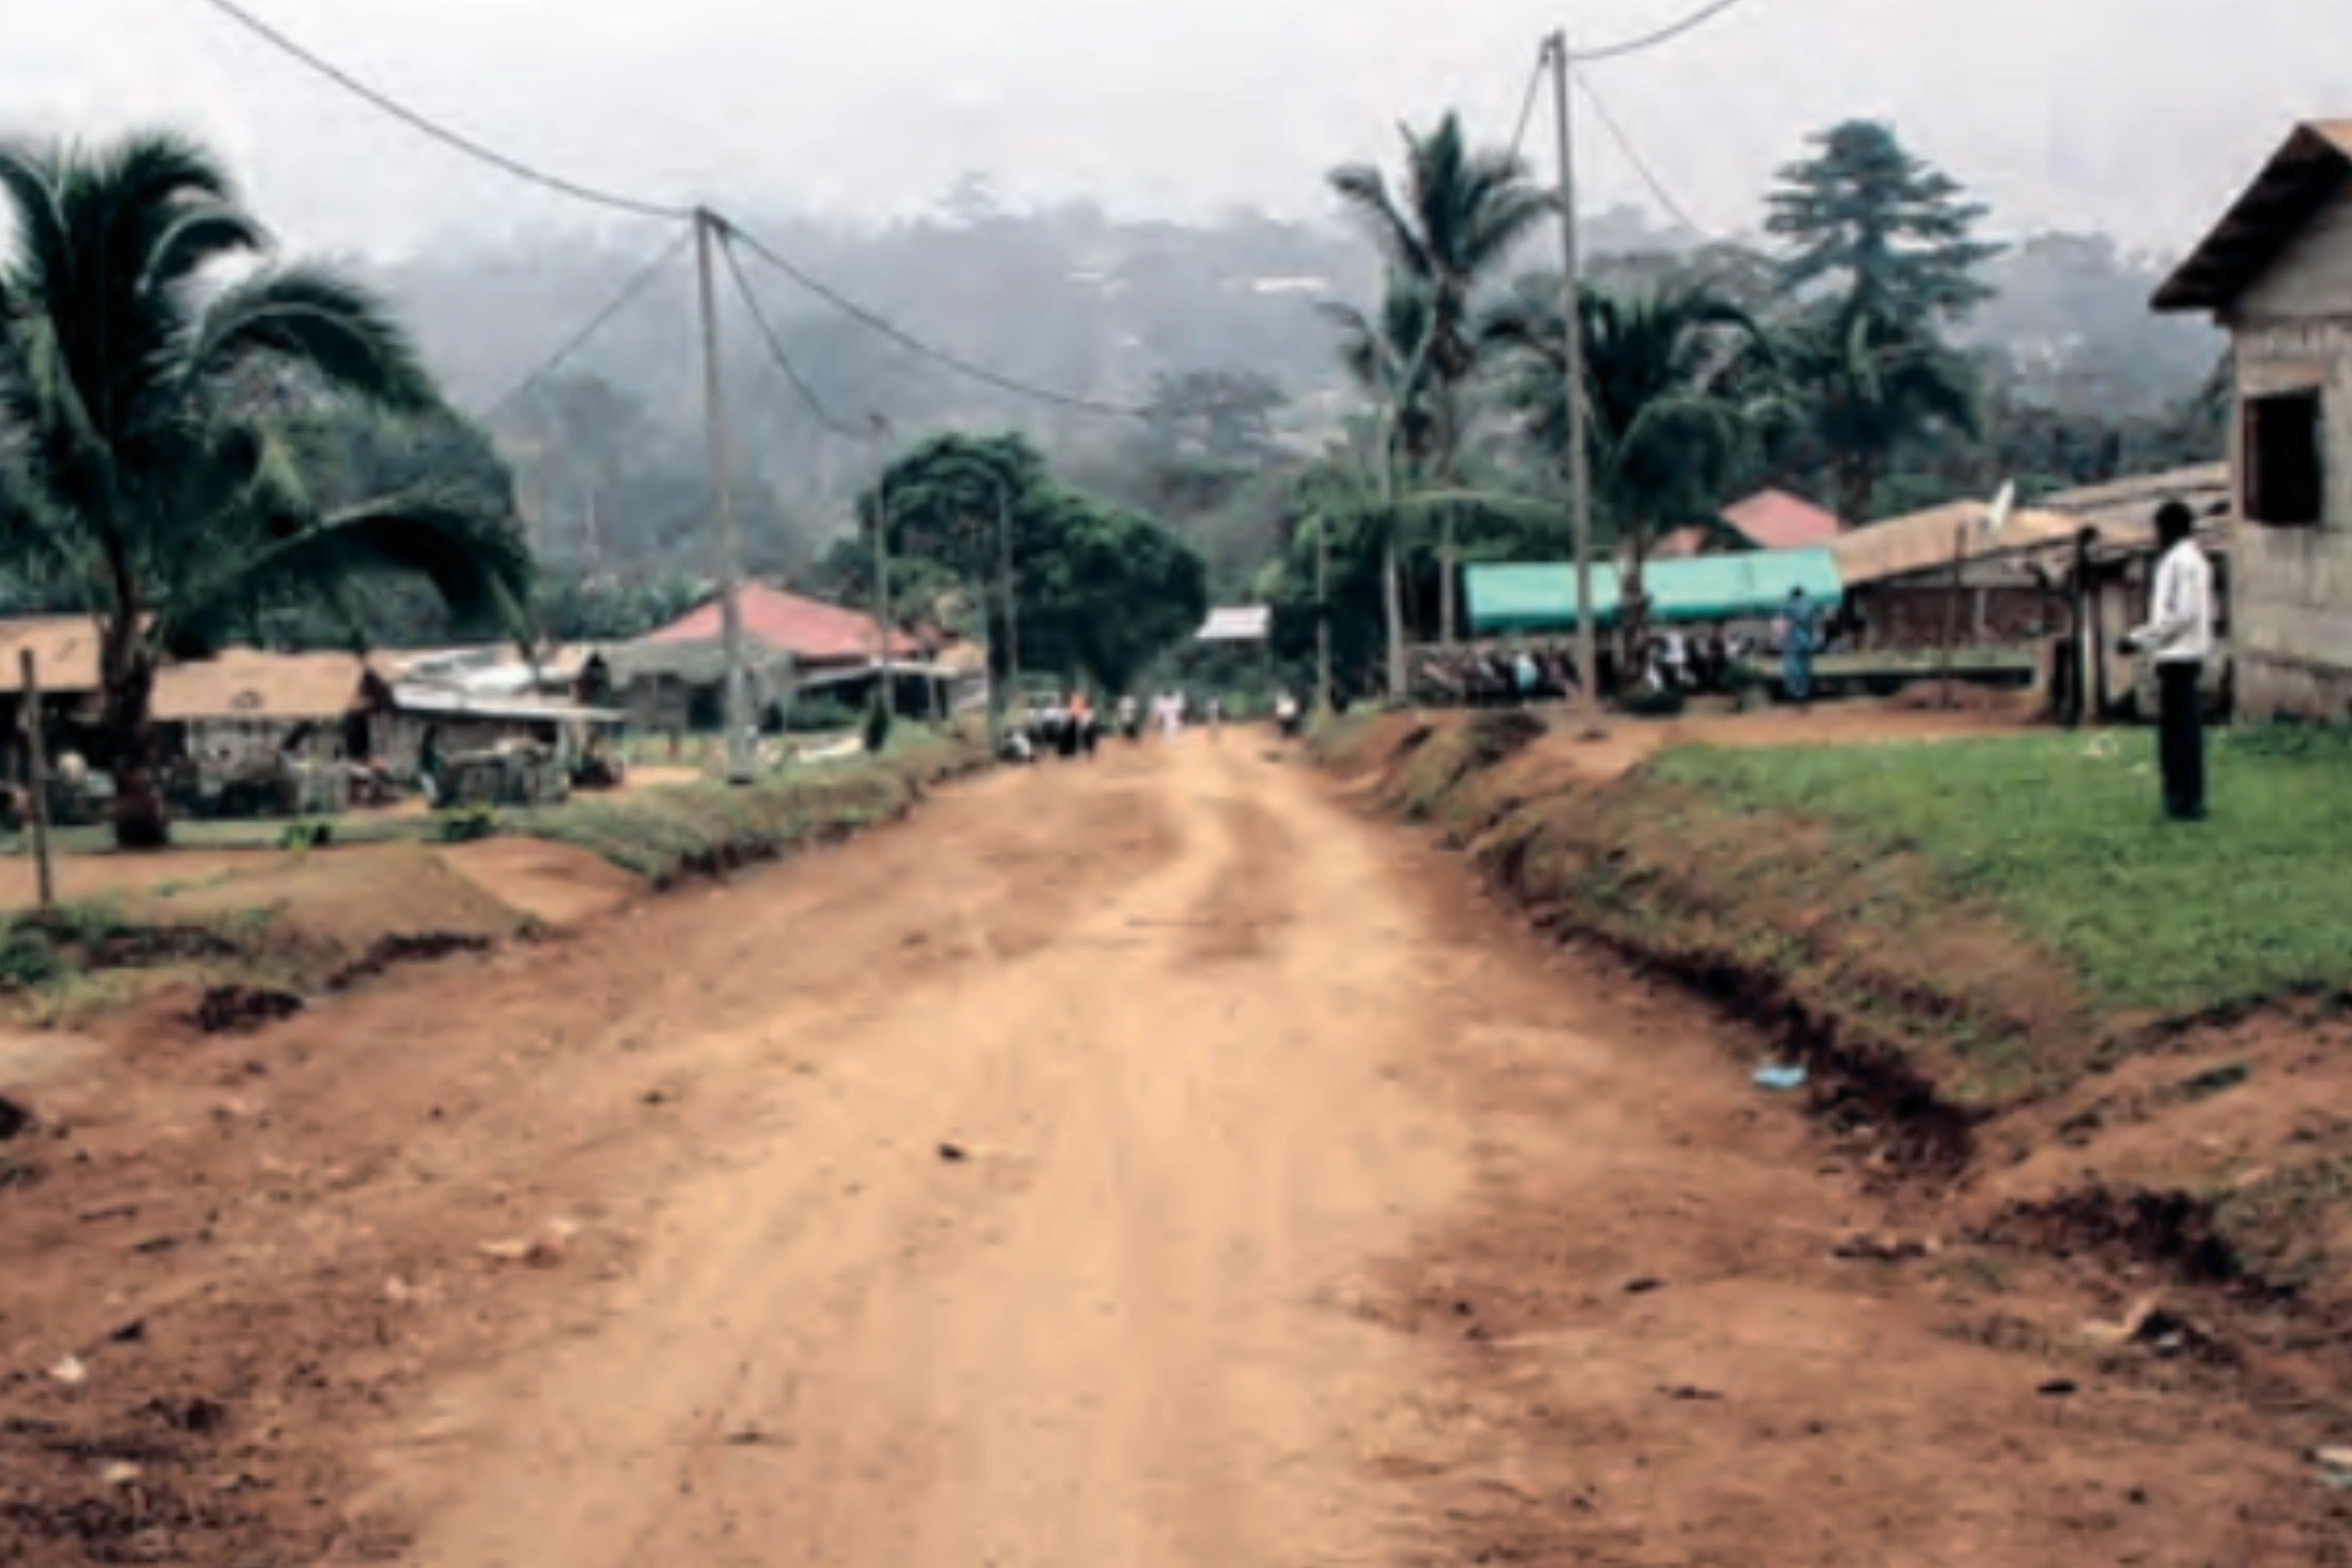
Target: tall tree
(1674,399)
(1866,384)
(148,418)
(1898,235)
(1100,590)
(1457,219)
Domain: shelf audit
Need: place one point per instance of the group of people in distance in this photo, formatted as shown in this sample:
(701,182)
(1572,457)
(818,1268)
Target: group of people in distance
(1673,659)
(1070,727)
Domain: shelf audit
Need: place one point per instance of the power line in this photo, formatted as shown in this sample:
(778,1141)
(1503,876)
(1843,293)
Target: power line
(1527,109)
(775,350)
(884,327)
(530,173)
(1649,177)
(457,140)
(636,285)
(1650,40)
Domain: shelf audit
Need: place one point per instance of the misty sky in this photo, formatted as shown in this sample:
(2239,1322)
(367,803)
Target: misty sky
(2140,117)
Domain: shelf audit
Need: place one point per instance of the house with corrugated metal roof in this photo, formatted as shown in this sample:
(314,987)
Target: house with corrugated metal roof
(2276,273)
(793,646)
(1769,519)
(2051,590)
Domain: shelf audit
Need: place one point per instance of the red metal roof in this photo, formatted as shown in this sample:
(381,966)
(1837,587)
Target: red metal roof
(811,630)
(1680,544)
(1774,519)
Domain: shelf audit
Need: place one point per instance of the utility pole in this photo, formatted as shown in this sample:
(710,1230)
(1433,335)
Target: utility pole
(1012,596)
(1322,612)
(707,232)
(881,429)
(1572,324)
(1392,590)
(37,775)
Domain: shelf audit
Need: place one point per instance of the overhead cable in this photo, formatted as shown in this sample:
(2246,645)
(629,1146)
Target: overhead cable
(636,285)
(783,361)
(885,328)
(1649,177)
(1527,109)
(479,151)
(1650,40)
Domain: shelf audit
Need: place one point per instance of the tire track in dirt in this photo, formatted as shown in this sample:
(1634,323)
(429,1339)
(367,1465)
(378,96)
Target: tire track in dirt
(293,1219)
(1095,1337)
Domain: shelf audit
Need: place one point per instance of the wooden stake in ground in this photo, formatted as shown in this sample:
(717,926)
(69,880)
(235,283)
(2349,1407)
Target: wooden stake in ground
(37,775)
(1951,609)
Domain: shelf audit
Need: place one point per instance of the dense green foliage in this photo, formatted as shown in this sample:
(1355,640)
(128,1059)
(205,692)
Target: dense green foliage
(661,834)
(1835,368)
(1100,590)
(180,454)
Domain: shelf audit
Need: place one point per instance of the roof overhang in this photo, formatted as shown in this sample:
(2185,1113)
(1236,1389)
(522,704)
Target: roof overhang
(1237,623)
(2310,167)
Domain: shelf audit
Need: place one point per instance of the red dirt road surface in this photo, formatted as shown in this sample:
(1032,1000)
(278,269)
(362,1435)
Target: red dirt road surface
(1147,1163)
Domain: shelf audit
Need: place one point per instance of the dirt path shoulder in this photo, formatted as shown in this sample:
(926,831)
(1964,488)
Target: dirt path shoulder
(1149,1163)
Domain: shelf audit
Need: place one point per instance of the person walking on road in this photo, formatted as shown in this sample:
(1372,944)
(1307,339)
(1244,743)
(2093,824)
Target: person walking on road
(1797,648)
(1525,676)
(2178,639)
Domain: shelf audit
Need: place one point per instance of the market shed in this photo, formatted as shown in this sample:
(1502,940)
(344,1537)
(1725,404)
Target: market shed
(1752,586)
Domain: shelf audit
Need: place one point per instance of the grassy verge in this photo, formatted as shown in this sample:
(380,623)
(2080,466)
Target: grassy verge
(1982,919)
(2061,835)
(661,834)
(65,965)
(308,922)
(2103,1035)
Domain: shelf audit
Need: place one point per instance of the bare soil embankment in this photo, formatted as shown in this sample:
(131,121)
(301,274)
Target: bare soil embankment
(2188,1175)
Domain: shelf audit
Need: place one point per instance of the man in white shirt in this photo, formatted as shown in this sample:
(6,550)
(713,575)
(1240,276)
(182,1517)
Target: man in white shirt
(2179,637)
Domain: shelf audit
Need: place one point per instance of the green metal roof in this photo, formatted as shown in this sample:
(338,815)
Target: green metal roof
(1752,584)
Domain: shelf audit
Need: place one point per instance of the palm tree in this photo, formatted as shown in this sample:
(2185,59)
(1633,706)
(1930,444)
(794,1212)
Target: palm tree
(1459,217)
(1385,359)
(1867,383)
(157,425)
(1675,392)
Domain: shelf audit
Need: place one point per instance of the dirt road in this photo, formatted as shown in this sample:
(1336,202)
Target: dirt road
(1144,1163)
(1098,1334)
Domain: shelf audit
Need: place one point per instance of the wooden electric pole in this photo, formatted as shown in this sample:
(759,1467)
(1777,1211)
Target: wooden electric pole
(1322,614)
(707,232)
(1572,326)
(886,688)
(37,775)
(1010,587)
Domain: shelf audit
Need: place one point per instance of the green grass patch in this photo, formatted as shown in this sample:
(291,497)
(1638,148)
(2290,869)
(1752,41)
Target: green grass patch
(2064,834)
(661,833)
(81,959)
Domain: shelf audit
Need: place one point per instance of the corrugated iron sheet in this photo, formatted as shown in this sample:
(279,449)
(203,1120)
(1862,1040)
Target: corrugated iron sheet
(1930,540)
(251,686)
(2121,514)
(1775,519)
(64,652)
(1236,624)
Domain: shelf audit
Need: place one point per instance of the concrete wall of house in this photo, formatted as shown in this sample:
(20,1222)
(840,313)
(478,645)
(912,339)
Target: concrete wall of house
(2292,588)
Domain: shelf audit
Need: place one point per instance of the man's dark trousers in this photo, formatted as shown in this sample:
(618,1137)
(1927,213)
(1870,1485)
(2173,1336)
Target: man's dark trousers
(2180,738)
